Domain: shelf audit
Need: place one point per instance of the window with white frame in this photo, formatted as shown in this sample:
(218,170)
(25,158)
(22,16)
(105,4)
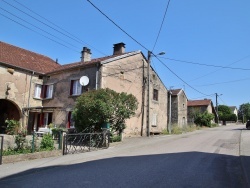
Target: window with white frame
(75,88)
(47,119)
(49,91)
(38,91)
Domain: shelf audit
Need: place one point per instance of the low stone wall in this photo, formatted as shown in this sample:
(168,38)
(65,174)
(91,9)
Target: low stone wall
(30,156)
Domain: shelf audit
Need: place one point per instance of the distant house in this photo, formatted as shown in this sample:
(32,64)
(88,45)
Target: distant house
(37,91)
(178,107)
(234,110)
(201,106)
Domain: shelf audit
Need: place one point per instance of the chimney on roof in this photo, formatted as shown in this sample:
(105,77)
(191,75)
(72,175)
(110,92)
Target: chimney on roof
(119,48)
(86,54)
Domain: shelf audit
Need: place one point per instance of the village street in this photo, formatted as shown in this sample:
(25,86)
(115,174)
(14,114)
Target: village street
(217,157)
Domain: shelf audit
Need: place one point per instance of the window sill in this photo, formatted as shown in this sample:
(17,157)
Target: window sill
(37,98)
(75,95)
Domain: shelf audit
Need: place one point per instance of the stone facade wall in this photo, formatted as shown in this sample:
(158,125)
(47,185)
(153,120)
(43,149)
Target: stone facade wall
(126,75)
(179,109)
(19,91)
(62,101)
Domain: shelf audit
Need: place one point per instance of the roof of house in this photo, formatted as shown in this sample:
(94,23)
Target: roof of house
(102,60)
(233,108)
(175,91)
(204,102)
(25,59)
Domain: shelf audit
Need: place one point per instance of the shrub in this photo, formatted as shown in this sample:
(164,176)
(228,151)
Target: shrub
(116,138)
(165,132)
(12,126)
(203,119)
(20,140)
(47,142)
(176,129)
(56,132)
(96,107)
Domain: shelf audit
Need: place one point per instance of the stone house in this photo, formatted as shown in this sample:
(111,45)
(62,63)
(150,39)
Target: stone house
(201,106)
(178,107)
(20,70)
(52,92)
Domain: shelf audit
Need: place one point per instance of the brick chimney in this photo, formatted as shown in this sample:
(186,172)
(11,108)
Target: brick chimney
(86,54)
(119,48)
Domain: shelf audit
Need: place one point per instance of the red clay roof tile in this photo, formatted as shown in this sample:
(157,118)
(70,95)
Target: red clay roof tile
(205,102)
(26,59)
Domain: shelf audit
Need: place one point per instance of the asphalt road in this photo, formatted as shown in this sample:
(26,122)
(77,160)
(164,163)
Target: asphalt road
(204,158)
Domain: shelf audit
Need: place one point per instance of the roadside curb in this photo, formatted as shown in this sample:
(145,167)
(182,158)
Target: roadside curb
(31,156)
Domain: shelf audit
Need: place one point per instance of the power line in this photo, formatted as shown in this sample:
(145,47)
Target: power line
(221,68)
(161,25)
(222,82)
(38,28)
(37,32)
(117,25)
(142,46)
(180,77)
(62,33)
(80,40)
(224,67)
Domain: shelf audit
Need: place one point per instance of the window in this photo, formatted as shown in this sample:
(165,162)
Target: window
(48,89)
(71,123)
(75,88)
(47,118)
(155,95)
(38,91)
(43,91)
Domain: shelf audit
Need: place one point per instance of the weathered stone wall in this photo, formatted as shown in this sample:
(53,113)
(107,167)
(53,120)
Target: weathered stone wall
(126,75)
(19,91)
(62,100)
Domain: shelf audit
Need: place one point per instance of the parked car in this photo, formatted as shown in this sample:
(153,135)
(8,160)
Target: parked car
(248,124)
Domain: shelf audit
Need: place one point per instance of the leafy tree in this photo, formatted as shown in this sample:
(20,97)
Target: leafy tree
(224,112)
(244,112)
(96,107)
(203,119)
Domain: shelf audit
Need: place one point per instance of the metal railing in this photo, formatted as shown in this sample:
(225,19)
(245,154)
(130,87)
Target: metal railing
(84,142)
(1,149)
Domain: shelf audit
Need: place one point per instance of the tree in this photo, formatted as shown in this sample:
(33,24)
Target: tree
(244,112)
(225,113)
(96,107)
(203,119)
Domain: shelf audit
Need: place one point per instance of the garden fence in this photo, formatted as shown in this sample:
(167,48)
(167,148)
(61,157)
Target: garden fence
(84,142)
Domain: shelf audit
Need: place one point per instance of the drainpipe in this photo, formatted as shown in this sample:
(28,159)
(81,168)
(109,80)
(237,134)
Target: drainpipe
(29,98)
(97,76)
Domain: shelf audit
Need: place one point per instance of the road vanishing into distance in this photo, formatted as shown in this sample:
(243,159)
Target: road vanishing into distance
(204,158)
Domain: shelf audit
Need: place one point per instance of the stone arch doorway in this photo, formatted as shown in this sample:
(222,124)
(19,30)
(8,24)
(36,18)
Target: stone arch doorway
(8,110)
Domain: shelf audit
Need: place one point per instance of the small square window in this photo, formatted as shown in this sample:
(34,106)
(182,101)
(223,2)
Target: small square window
(155,95)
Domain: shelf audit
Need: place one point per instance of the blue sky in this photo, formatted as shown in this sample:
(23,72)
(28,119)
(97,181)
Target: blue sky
(209,32)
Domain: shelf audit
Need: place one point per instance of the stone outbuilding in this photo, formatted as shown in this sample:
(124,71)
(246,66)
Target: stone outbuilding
(200,106)
(178,107)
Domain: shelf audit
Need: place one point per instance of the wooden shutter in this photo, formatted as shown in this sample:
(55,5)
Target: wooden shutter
(71,87)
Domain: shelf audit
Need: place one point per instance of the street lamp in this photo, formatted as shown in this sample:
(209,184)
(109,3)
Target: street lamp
(148,93)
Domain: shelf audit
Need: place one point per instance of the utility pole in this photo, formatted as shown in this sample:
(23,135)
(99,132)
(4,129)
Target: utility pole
(216,95)
(170,109)
(148,93)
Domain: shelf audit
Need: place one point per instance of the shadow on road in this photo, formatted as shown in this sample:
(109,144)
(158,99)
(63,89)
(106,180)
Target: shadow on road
(188,169)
